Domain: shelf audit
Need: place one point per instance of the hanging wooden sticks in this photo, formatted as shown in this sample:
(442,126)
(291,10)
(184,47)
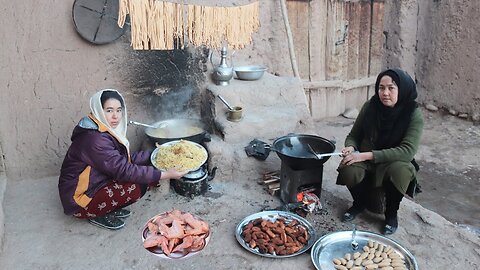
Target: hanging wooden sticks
(160,25)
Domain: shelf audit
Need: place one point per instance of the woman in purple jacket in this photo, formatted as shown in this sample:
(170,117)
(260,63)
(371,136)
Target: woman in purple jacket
(99,176)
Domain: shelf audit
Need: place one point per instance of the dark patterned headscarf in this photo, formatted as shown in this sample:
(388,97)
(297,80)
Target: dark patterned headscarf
(386,126)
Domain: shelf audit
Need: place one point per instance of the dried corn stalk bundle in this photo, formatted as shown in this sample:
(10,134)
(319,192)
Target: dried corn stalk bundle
(159,25)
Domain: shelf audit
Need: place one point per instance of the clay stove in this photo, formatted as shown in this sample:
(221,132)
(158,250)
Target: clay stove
(293,182)
(301,170)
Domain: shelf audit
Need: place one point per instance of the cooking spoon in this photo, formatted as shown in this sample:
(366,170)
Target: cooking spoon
(225,102)
(162,125)
(320,156)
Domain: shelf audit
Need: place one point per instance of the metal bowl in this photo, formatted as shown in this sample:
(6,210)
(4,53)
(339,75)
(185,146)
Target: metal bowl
(249,73)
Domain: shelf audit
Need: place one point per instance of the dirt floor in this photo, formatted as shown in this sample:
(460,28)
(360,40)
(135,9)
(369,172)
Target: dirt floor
(39,236)
(450,169)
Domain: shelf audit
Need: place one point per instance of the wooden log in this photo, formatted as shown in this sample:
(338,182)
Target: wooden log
(273,191)
(274,186)
(270,181)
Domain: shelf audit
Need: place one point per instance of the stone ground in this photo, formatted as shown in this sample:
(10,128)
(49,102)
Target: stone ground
(440,227)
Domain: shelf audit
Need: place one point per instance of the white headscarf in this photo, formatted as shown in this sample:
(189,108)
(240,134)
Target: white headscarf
(97,110)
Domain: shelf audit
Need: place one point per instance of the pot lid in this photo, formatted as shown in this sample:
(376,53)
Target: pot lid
(195,175)
(96,20)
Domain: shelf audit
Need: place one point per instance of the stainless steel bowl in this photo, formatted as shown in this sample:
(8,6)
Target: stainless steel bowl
(249,73)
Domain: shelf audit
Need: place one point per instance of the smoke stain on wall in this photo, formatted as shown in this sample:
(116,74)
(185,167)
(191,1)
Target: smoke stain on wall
(169,83)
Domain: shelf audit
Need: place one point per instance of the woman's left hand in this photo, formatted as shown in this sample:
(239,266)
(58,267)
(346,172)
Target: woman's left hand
(356,157)
(172,174)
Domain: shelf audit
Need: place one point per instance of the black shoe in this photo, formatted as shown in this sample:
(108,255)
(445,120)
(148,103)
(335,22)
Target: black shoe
(391,225)
(121,213)
(352,213)
(109,221)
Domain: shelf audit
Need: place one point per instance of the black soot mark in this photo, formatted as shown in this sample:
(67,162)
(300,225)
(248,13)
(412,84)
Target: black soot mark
(168,82)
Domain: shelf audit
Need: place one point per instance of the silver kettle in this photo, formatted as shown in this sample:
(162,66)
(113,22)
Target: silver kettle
(222,73)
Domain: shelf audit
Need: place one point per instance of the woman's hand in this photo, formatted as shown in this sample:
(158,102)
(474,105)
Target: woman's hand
(347,151)
(355,157)
(172,174)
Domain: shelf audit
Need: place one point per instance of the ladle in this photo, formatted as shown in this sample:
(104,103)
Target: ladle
(354,242)
(226,103)
(320,156)
(146,125)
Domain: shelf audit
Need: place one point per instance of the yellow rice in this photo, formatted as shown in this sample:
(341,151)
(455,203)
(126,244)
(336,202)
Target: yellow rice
(183,156)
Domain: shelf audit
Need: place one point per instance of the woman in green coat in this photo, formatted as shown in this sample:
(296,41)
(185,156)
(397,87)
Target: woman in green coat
(381,145)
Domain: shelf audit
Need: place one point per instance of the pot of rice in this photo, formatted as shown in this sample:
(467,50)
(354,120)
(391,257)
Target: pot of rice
(182,155)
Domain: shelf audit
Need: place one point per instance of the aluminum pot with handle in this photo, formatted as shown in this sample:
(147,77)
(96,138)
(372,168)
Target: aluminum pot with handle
(178,129)
(293,150)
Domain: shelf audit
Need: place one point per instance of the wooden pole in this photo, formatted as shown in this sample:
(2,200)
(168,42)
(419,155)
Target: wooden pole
(291,47)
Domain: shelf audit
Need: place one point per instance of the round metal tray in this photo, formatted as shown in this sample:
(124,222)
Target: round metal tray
(157,251)
(155,152)
(272,216)
(337,244)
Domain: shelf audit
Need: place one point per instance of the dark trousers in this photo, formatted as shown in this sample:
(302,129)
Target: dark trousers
(392,200)
(360,193)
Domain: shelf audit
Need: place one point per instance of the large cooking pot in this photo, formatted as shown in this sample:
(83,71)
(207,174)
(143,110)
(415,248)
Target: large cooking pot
(293,150)
(178,129)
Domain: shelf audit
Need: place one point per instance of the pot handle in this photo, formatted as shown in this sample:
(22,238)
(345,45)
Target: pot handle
(207,137)
(212,173)
(270,147)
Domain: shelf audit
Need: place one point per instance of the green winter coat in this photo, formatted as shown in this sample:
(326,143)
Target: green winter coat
(401,155)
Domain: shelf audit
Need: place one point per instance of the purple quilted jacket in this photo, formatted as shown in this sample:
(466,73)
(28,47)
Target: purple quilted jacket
(93,160)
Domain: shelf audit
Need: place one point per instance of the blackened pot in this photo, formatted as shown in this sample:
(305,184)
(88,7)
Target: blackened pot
(194,183)
(293,150)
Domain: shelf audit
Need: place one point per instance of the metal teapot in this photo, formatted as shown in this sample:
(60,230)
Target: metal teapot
(222,73)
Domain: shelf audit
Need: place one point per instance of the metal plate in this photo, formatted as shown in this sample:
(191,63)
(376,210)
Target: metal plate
(272,216)
(96,20)
(157,251)
(337,244)
(155,152)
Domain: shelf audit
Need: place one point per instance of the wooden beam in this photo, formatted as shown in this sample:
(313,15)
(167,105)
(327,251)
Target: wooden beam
(345,85)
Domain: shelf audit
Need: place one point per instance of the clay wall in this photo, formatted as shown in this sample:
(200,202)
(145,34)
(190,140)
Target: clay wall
(48,72)
(437,41)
